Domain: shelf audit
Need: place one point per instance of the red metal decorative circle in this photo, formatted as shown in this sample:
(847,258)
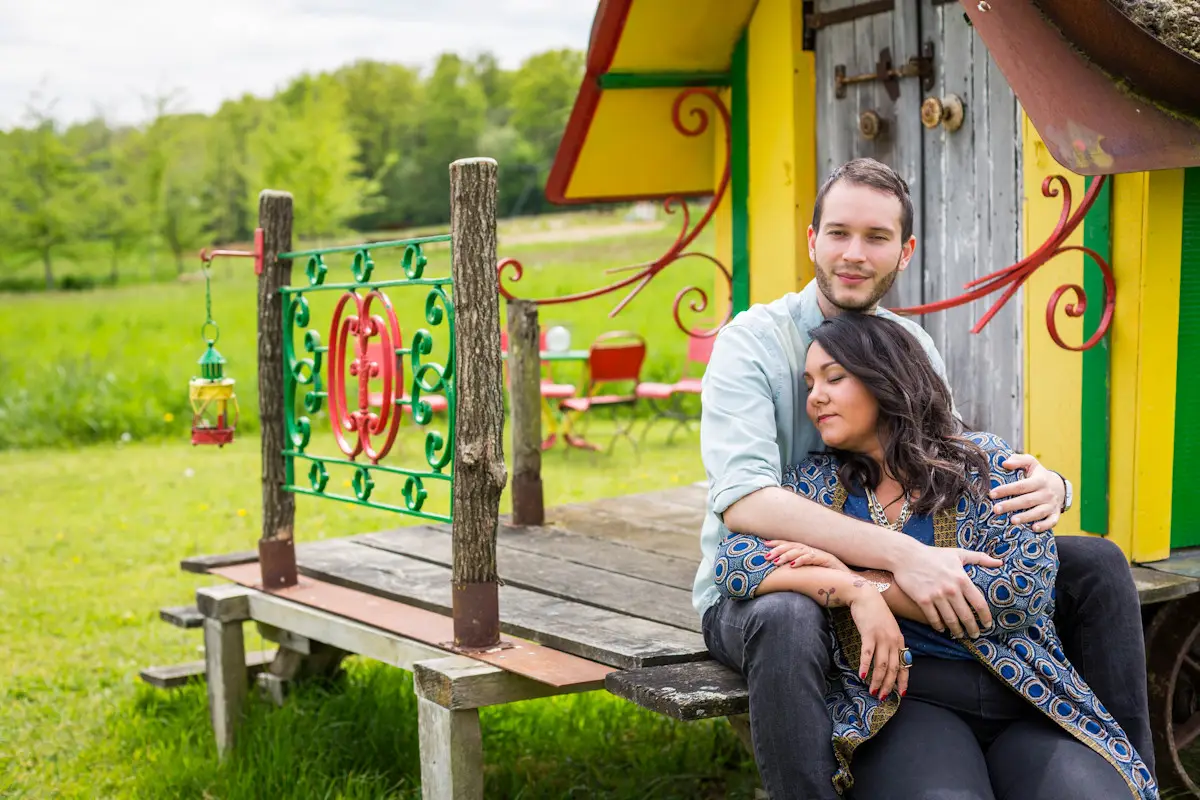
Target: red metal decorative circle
(376,337)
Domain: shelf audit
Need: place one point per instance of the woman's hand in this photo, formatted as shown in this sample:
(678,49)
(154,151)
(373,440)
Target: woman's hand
(881,641)
(801,555)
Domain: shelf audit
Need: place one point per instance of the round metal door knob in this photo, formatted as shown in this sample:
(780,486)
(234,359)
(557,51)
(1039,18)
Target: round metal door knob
(947,112)
(871,125)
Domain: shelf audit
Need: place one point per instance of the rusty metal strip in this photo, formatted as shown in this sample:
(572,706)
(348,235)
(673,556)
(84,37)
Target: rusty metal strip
(542,664)
(823,19)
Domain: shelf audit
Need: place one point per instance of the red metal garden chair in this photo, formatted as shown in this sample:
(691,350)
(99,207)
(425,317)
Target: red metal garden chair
(666,398)
(614,365)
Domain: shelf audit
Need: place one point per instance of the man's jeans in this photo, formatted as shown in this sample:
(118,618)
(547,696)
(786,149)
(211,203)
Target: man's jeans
(781,643)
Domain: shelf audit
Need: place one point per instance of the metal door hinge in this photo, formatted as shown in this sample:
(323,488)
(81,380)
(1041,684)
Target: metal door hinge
(886,72)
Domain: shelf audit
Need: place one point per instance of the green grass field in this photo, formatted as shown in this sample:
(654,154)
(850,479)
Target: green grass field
(103,496)
(93,538)
(83,367)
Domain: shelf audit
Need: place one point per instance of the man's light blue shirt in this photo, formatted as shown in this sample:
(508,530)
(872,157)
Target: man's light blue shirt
(753,422)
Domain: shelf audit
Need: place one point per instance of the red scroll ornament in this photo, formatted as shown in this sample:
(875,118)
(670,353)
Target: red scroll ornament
(364,422)
(644,273)
(1015,275)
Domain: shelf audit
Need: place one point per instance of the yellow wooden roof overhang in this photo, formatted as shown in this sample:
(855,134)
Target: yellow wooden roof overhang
(621,142)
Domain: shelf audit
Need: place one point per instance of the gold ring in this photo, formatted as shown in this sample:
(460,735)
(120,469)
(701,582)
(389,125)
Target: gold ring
(906,658)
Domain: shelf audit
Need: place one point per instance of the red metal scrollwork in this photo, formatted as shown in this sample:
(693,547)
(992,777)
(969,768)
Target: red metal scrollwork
(645,272)
(369,362)
(1015,275)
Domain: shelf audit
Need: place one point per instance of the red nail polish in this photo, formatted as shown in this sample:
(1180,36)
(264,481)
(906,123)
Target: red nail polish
(904,692)
(863,676)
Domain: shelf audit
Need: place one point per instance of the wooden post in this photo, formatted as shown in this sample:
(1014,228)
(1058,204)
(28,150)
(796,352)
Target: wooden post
(524,378)
(276,551)
(479,472)
(224,609)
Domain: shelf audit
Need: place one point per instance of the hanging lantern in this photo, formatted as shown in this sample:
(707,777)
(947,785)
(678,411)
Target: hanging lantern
(214,405)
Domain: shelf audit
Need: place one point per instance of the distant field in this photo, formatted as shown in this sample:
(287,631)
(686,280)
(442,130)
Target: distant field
(92,366)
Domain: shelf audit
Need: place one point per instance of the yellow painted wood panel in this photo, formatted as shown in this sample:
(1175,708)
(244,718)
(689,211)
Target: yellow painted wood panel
(782,148)
(1154,457)
(1053,376)
(1129,197)
(633,148)
(680,35)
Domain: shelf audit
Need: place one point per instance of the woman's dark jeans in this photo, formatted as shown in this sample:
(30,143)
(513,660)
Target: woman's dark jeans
(781,643)
(961,734)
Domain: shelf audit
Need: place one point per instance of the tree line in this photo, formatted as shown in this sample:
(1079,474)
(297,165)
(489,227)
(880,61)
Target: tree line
(362,148)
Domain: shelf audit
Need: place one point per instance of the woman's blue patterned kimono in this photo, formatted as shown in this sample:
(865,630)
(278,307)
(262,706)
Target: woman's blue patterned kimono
(1022,648)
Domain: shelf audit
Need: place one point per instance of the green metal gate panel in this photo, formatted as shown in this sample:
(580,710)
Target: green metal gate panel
(1185,522)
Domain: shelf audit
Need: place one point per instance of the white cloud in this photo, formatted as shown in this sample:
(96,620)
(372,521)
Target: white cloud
(92,56)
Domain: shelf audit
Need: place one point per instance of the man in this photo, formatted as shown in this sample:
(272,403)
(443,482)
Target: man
(754,423)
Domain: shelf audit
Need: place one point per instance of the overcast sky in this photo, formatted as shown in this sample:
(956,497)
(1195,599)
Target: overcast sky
(107,55)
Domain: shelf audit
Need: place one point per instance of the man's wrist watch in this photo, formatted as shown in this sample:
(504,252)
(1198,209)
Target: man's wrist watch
(1069,499)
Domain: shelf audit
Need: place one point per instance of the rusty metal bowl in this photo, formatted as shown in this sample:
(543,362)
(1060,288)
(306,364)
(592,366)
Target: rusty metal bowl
(1107,36)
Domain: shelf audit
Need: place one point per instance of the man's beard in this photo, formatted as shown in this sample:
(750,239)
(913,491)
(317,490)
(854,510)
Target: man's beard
(825,280)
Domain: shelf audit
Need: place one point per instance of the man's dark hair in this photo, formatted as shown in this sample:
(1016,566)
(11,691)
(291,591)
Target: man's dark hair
(923,445)
(876,175)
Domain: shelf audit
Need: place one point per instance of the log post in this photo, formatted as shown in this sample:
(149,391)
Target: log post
(524,378)
(276,551)
(479,472)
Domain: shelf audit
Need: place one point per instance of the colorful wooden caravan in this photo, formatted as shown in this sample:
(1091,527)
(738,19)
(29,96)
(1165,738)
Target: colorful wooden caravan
(1036,135)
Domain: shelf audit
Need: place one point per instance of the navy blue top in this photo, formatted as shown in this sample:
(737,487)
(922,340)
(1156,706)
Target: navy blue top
(918,637)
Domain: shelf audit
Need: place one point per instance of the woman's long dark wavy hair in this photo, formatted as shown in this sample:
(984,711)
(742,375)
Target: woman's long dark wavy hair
(922,440)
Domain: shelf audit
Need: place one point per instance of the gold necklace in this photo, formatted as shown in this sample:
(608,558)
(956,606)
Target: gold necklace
(879,515)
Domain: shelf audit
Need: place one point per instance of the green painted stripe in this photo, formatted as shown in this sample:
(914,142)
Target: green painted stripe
(1185,526)
(662,80)
(739,168)
(1097,376)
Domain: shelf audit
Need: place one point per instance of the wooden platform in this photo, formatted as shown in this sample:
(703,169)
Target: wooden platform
(605,584)
(608,582)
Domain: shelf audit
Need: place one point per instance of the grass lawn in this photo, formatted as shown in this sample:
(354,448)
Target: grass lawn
(92,540)
(86,367)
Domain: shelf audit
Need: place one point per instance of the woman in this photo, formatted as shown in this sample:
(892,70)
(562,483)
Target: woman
(1001,716)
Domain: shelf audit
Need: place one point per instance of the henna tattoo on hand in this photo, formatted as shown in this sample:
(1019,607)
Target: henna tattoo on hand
(828,595)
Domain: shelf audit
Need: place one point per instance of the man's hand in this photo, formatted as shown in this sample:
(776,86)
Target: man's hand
(935,580)
(1039,496)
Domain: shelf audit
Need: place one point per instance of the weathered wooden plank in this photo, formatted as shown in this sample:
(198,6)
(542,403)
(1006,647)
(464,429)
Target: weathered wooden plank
(570,581)
(459,682)
(588,632)
(658,508)
(175,675)
(1166,580)
(971,200)
(606,555)
(397,633)
(647,535)
(182,616)
(202,564)
(581,547)
(684,691)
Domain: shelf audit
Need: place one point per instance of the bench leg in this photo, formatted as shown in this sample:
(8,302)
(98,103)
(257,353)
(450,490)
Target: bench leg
(298,659)
(451,752)
(224,609)
(225,661)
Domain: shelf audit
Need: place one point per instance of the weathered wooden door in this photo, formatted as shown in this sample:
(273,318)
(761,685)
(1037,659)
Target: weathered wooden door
(877,63)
